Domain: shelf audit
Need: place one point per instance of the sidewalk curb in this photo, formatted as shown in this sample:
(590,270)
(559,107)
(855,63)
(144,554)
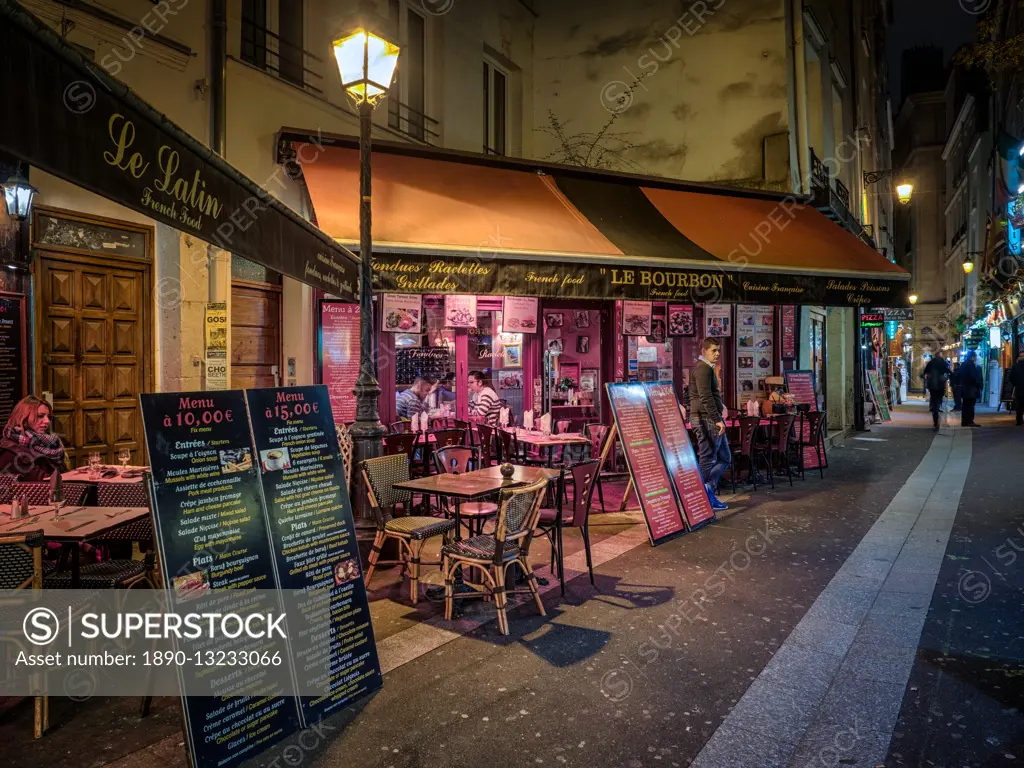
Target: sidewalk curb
(837,438)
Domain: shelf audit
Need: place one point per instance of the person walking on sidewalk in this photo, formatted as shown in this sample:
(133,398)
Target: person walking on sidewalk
(971,379)
(1017,379)
(935,375)
(707,414)
(957,387)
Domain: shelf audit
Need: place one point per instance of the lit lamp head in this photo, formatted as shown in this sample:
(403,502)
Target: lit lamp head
(367,65)
(18,195)
(968,264)
(912,298)
(904,192)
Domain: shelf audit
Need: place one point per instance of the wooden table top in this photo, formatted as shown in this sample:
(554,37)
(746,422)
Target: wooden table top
(74,523)
(475,485)
(522,474)
(539,438)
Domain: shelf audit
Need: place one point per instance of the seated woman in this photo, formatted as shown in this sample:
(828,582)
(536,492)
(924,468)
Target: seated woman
(28,448)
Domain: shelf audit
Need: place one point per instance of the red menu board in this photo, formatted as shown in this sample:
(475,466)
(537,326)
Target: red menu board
(339,356)
(800,384)
(789,332)
(645,461)
(678,452)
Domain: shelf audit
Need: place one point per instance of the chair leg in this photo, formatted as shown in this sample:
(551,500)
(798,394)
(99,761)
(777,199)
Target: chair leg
(378,543)
(414,570)
(561,559)
(789,467)
(586,544)
(771,471)
(500,598)
(600,492)
(448,572)
(531,582)
(821,467)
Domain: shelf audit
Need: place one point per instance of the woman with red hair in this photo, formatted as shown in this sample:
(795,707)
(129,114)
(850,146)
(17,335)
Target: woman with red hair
(28,448)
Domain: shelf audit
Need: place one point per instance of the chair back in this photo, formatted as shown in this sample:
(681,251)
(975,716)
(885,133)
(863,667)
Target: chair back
(400,427)
(75,494)
(455,460)
(562,426)
(21,560)
(379,475)
(446,438)
(782,428)
(6,482)
(486,432)
(508,446)
(345,444)
(748,428)
(596,434)
(120,495)
(400,444)
(35,492)
(459,424)
(816,422)
(518,515)
(584,480)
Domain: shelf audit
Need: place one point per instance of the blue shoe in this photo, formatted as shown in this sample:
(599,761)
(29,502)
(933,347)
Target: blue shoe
(716,505)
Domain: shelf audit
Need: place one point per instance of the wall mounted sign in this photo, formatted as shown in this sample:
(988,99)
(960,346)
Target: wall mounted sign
(401,313)
(519,314)
(636,318)
(460,311)
(216,346)
(872,320)
(788,334)
(680,320)
(718,320)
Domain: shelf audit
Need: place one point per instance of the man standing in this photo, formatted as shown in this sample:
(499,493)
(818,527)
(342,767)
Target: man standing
(707,414)
(957,387)
(935,375)
(413,400)
(971,379)
(1017,379)
(486,406)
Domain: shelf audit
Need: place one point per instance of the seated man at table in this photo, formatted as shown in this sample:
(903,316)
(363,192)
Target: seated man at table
(413,400)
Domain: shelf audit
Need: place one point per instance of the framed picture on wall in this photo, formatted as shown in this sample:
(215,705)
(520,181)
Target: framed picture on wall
(588,380)
(556,346)
(680,320)
(582,344)
(512,356)
(581,318)
(554,319)
(570,371)
(657,335)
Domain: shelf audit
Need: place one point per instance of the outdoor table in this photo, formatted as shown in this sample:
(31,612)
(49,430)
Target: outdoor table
(540,441)
(81,475)
(75,525)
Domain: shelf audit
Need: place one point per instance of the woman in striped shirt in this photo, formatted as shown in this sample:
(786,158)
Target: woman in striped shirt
(486,406)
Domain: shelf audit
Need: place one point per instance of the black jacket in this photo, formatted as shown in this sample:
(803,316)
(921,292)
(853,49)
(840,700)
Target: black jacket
(972,379)
(705,396)
(17,460)
(1017,379)
(935,374)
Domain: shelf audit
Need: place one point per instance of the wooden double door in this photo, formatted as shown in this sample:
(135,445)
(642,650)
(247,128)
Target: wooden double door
(93,342)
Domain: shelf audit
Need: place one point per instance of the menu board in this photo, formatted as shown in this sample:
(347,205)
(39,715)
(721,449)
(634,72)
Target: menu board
(717,320)
(314,539)
(13,360)
(339,356)
(212,535)
(519,314)
(800,384)
(645,461)
(755,353)
(678,452)
(878,393)
(788,334)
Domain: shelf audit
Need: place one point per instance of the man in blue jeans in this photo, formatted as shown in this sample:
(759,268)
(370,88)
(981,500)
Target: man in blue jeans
(707,414)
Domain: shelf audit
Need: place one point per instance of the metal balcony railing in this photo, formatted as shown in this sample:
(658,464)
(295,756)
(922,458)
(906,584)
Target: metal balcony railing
(280,57)
(843,194)
(411,122)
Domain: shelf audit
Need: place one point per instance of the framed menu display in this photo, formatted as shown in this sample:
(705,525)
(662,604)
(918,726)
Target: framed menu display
(680,320)
(636,318)
(788,332)
(339,355)
(13,357)
(519,314)
(313,537)
(646,463)
(212,536)
(402,313)
(460,310)
(679,455)
(718,320)
(878,393)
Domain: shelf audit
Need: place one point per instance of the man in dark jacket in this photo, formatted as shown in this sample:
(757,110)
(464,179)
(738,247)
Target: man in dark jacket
(971,379)
(707,414)
(935,374)
(957,387)
(1017,379)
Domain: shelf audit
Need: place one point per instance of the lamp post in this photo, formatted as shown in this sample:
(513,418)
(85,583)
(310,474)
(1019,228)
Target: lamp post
(367,64)
(18,197)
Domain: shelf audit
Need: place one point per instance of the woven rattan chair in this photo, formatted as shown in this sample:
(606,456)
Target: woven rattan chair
(492,554)
(21,567)
(379,475)
(6,483)
(121,495)
(457,460)
(345,444)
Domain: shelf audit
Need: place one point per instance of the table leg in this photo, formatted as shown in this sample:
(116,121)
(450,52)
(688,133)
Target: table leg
(558,534)
(75,572)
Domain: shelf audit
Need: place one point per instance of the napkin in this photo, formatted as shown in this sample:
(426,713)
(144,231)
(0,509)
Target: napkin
(415,422)
(545,423)
(503,416)
(528,420)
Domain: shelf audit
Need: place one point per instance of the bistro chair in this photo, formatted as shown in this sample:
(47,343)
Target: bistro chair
(6,483)
(599,436)
(583,477)
(777,444)
(492,554)
(446,438)
(743,448)
(400,427)
(457,460)
(816,423)
(379,477)
(487,453)
(345,444)
(401,444)
(509,449)
(21,567)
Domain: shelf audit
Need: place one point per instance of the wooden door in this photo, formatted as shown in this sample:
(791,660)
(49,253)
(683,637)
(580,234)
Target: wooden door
(93,339)
(255,335)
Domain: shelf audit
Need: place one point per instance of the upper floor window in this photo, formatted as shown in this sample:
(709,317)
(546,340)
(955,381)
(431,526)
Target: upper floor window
(495,117)
(407,99)
(273,38)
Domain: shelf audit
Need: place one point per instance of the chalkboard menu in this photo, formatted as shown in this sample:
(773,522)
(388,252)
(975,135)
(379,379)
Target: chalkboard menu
(212,535)
(13,359)
(313,538)
(430,362)
(645,461)
(678,453)
(800,384)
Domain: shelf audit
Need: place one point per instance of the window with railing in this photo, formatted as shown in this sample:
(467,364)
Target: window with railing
(407,99)
(495,116)
(272,40)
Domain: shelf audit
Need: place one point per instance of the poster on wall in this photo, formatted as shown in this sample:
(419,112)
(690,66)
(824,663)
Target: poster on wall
(13,360)
(339,356)
(788,332)
(717,320)
(588,380)
(680,320)
(402,313)
(636,318)
(460,310)
(519,314)
(216,345)
(657,335)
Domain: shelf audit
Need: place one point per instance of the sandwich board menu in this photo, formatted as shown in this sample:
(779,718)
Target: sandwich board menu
(314,539)
(212,536)
(878,393)
(800,384)
(678,452)
(645,462)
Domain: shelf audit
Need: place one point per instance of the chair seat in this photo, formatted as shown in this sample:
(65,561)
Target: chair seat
(478,509)
(549,515)
(419,527)
(106,575)
(478,548)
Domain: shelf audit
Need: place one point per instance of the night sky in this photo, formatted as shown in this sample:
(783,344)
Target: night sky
(945,23)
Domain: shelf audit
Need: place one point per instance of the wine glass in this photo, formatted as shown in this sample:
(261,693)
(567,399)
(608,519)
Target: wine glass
(124,456)
(94,465)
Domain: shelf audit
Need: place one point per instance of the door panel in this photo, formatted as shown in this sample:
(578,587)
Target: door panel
(93,333)
(255,335)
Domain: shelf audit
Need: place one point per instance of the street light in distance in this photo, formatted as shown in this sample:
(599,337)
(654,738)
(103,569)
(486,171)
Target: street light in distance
(912,298)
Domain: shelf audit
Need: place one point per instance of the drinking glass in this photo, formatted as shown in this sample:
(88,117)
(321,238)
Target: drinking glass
(124,456)
(94,465)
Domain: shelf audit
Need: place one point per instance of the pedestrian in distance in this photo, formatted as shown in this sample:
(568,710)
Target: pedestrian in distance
(707,414)
(957,387)
(971,380)
(935,375)
(1017,379)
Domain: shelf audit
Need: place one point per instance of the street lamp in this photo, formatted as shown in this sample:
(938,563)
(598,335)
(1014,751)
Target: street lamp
(904,189)
(366,63)
(18,195)
(913,298)
(968,263)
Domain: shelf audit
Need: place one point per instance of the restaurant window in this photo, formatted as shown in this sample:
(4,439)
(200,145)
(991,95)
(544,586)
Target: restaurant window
(495,109)
(430,354)
(408,95)
(499,357)
(572,356)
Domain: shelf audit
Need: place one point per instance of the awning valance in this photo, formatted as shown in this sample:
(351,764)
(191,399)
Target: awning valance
(67,117)
(446,223)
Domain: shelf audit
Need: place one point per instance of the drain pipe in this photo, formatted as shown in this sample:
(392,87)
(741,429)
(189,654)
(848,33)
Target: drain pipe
(218,75)
(797,87)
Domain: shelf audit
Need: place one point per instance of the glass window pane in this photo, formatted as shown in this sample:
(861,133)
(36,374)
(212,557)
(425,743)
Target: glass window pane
(415,73)
(499,112)
(429,356)
(487,107)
